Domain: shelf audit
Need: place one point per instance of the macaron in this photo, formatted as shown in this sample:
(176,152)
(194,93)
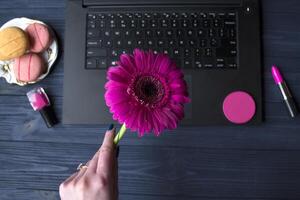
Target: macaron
(29,67)
(13,43)
(39,36)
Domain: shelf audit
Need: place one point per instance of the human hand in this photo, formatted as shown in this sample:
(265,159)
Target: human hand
(97,181)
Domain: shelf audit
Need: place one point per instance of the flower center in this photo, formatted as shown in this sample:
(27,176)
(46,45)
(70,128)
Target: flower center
(148,90)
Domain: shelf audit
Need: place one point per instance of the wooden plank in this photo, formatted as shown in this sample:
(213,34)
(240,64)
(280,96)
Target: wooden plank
(287,65)
(32,4)
(279,6)
(170,171)
(9,194)
(19,122)
(53,195)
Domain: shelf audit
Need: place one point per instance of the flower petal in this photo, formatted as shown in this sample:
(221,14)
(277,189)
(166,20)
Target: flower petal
(128,63)
(139,58)
(113,84)
(116,74)
(172,119)
(180,98)
(175,74)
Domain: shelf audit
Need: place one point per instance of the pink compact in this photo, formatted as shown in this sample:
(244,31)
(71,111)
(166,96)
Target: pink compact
(39,36)
(239,107)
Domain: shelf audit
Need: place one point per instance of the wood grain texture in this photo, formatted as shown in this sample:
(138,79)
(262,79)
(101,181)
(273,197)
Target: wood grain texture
(166,171)
(213,163)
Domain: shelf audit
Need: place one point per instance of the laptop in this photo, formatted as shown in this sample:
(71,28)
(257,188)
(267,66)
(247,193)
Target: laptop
(217,44)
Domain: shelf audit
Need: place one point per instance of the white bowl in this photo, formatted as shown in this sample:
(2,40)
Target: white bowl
(50,55)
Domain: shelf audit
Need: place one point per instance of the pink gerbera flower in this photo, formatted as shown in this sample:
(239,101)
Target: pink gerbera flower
(146,92)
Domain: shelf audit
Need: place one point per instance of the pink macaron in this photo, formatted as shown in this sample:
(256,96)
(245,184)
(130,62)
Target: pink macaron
(29,67)
(39,36)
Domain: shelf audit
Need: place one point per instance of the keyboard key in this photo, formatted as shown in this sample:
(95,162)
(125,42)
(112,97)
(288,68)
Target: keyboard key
(228,43)
(159,33)
(225,52)
(180,33)
(108,43)
(139,43)
(174,23)
(192,42)
(181,43)
(211,32)
(195,23)
(160,43)
(198,63)
(169,33)
(206,23)
(201,33)
(187,53)
(101,63)
(198,53)
(118,43)
(91,63)
(208,62)
(190,33)
(149,33)
(214,42)
(91,24)
(95,52)
(117,33)
(176,52)
(107,33)
(188,63)
(139,33)
(208,52)
(94,43)
(172,43)
(164,23)
(203,43)
(185,23)
(92,33)
(91,16)
(220,63)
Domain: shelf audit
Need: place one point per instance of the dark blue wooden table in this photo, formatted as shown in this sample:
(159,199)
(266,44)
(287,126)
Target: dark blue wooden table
(221,163)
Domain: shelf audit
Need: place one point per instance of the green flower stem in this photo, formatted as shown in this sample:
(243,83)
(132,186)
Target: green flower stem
(120,134)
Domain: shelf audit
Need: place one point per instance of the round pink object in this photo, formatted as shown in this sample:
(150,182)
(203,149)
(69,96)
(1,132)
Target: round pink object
(39,36)
(29,67)
(239,107)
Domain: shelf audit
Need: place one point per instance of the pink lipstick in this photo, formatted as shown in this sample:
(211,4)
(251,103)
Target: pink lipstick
(40,102)
(287,96)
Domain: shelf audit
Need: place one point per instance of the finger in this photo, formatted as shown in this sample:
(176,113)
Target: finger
(92,164)
(80,174)
(116,177)
(107,154)
(87,164)
(71,178)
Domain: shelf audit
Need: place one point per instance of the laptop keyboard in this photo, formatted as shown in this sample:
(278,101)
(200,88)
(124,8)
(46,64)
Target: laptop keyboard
(204,40)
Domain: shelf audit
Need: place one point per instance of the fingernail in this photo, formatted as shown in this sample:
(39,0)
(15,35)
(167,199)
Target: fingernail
(117,151)
(111,126)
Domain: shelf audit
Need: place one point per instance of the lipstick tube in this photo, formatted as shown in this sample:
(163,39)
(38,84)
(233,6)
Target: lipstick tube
(287,96)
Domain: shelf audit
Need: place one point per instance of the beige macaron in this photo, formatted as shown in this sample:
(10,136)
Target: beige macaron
(13,43)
